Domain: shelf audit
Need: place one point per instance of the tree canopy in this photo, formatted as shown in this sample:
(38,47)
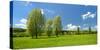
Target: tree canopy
(35,22)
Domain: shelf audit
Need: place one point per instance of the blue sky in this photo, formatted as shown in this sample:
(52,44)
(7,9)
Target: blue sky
(72,16)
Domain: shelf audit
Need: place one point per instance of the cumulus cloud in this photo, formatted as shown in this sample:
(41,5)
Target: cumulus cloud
(88,15)
(23,21)
(21,24)
(42,11)
(71,27)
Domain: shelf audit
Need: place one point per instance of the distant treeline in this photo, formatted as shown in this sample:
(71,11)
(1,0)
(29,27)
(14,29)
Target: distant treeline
(20,32)
(62,31)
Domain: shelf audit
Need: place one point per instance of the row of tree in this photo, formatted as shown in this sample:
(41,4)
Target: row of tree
(19,32)
(78,30)
(37,24)
(53,26)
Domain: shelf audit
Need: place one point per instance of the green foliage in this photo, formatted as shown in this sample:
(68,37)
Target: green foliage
(35,22)
(89,29)
(48,27)
(78,30)
(18,30)
(57,25)
(21,34)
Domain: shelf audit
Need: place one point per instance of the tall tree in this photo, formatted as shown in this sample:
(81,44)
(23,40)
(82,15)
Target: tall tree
(78,30)
(48,28)
(89,30)
(57,25)
(35,22)
(42,24)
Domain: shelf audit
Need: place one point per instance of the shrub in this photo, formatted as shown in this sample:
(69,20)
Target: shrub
(21,34)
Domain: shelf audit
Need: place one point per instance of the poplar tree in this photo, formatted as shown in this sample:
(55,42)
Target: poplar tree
(35,22)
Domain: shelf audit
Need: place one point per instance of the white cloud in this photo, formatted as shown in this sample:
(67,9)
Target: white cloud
(71,27)
(74,27)
(88,15)
(23,21)
(42,11)
(21,24)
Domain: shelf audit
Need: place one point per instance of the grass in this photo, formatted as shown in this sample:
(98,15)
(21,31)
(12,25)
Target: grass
(66,40)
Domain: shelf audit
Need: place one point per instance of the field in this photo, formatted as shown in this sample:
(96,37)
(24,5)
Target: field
(65,40)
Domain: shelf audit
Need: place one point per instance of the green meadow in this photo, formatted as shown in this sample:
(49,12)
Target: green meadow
(44,41)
